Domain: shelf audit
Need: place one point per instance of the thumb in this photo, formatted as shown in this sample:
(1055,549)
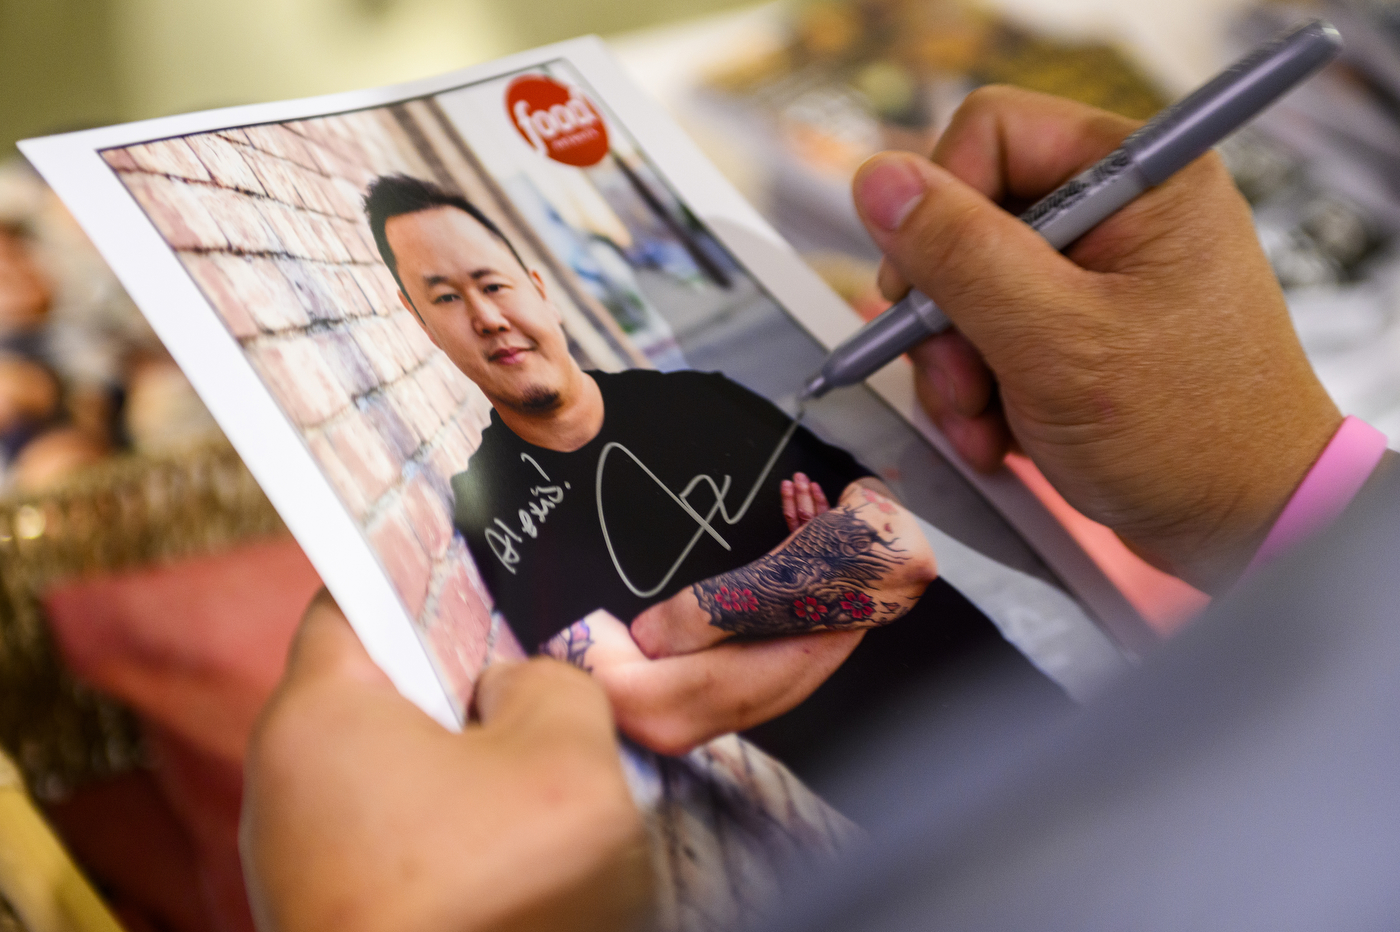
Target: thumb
(541,697)
(979,263)
(326,648)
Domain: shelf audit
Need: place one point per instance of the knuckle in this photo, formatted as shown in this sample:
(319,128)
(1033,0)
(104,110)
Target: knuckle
(978,108)
(989,99)
(946,234)
(540,675)
(1112,128)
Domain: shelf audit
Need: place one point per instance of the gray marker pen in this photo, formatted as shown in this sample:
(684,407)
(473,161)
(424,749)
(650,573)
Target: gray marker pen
(1171,140)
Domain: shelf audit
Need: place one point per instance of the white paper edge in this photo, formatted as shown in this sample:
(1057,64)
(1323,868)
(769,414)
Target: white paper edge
(279,459)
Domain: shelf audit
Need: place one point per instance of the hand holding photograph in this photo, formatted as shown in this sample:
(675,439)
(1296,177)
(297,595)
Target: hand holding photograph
(520,372)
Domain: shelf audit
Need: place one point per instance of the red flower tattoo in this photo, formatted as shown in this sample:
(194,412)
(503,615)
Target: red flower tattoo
(858,605)
(808,608)
(736,600)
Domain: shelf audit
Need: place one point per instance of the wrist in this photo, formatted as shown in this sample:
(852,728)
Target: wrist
(1211,544)
(1338,474)
(676,626)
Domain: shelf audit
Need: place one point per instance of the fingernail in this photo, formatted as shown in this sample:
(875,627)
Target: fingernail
(889,191)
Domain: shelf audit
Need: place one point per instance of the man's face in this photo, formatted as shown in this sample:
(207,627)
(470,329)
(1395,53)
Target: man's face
(490,316)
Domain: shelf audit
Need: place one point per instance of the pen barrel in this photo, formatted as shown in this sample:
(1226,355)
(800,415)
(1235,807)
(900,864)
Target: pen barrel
(1184,131)
(905,325)
(1086,200)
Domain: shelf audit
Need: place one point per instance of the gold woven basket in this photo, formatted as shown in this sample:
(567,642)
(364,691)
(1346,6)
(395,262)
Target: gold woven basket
(129,512)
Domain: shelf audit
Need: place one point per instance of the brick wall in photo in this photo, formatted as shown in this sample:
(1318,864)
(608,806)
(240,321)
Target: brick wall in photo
(268,221)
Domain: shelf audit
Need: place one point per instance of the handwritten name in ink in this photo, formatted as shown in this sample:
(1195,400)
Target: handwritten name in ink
(503,538)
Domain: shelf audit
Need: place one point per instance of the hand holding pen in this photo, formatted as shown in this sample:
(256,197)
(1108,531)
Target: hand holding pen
(1153,153)
(1151,371)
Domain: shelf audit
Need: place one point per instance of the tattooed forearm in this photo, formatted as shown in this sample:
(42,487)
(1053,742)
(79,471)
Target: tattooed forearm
(830,574)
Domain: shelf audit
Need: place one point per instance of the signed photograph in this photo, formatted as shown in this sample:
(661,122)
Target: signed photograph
(560,409)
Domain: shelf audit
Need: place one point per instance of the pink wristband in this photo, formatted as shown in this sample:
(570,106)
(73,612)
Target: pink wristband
(1344,466)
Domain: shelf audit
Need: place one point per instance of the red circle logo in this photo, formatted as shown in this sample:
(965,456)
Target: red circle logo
(557,120)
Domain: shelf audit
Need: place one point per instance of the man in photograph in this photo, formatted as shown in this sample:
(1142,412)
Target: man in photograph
(660,499)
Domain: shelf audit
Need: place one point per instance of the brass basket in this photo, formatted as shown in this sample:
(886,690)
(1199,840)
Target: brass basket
(129,512)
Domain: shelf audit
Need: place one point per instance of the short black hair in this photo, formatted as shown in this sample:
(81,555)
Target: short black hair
(390,196)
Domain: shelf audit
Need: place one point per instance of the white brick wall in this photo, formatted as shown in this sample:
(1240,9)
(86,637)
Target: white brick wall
(268,221)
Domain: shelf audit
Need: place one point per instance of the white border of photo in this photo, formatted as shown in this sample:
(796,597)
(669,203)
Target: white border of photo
(279,459)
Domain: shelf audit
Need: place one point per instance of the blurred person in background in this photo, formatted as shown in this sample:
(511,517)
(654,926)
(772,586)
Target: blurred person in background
(82,376)
(38,443)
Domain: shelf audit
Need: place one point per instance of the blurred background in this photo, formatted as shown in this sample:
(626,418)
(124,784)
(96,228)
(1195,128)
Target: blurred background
(787,98)
(66,63)
(79,62)
(148,590)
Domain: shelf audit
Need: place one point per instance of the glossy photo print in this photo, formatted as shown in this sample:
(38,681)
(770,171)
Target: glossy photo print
(557,404)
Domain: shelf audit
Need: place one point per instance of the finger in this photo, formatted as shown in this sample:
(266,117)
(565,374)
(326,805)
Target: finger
(982,266)
(931,387)
(806,510)
(892,284)
(1015,146)
(971,381)
(789,497)
(542,697)
(819,500)
(326,648)
(1055,139)
(956,371)
(328,674)
(331,695)
(981,440)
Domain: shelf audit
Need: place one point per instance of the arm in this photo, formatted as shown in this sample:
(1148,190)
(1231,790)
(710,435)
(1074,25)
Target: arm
(863,563)
(674,704)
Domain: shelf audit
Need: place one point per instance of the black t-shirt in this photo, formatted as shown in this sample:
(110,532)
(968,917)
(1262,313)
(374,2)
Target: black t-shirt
(557,535)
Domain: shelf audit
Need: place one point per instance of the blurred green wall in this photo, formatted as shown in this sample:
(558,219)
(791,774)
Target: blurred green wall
(56,67)
(67,63)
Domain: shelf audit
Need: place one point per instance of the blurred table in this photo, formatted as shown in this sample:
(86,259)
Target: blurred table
(1180,44)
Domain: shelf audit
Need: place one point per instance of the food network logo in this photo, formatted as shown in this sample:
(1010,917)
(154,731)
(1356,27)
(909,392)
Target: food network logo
(557,120)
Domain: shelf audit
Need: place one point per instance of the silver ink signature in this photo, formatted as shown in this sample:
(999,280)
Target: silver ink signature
(547,498)
(683,500)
